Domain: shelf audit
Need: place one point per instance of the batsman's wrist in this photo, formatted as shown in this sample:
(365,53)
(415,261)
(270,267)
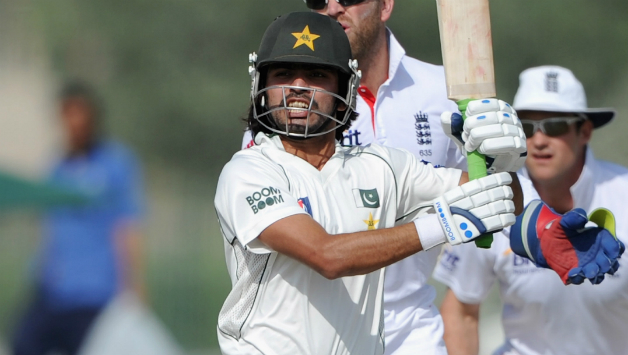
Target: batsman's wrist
(430,231)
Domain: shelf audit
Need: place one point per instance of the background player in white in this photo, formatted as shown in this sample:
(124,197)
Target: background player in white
(301,214)
(400,102)
(540,314)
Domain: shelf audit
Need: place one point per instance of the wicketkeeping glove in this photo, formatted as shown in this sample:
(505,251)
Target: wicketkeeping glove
(477,207)
(564,244)
(493,129)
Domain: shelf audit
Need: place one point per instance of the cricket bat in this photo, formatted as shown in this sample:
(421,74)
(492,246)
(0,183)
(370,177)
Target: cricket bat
(465,37)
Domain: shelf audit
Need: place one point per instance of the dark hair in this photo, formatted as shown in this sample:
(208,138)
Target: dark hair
(81,90)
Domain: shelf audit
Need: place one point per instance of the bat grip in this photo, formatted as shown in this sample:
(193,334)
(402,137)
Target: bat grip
(476,164)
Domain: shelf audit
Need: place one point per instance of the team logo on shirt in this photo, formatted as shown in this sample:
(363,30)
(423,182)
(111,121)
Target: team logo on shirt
(425,162)
(304,202)
(422,127)
(371,223)
(449,259)
(266,197)
(520,265)
(366,198)
(351,137)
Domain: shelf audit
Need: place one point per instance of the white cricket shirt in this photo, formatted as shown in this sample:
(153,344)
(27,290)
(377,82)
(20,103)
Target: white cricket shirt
(281,306)
(540,314)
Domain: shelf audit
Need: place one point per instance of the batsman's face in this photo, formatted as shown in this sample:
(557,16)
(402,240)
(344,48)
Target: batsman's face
(362,22)
(556,159)
(305,89)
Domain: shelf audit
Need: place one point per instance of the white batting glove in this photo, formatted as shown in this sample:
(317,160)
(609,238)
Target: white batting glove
(493,129)
(470,210)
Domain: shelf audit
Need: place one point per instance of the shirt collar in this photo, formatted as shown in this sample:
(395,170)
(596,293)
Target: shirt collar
(271,139)
(274,140)
(395,55)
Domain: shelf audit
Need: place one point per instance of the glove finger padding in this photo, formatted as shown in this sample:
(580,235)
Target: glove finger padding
(574,219)
(575,276)
(603,262)
(493,129)
(487,105)
(592,272)
(506,162)
(477,207)
(564,244)
(612,247)
(494,133)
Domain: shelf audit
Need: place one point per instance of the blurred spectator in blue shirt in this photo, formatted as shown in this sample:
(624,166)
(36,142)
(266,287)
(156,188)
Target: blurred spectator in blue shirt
(89,253)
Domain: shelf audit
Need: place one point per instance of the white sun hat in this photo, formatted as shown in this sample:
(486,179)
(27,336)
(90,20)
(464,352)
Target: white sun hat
(556,89)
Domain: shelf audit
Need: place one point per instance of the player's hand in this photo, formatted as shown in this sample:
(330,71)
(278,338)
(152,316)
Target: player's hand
(479,206)
(493,129)
(565,244)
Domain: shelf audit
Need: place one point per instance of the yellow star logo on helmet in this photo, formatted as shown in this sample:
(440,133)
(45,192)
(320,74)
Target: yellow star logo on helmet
(305,37)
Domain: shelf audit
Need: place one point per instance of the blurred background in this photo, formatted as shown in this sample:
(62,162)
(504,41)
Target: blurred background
(173,75)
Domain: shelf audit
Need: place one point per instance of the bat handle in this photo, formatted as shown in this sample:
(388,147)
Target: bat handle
(476,163)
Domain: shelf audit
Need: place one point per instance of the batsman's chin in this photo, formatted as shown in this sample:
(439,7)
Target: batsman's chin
(303,120)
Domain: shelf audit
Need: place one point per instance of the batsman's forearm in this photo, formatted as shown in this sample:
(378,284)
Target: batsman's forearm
(363,252)
(347,254)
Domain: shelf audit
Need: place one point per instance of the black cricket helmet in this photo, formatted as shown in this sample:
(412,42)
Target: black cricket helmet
(304,38)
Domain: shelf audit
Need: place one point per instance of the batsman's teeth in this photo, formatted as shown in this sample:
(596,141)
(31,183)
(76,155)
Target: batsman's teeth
(298,104)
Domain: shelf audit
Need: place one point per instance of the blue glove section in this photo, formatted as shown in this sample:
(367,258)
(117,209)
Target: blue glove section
(596,245)
(457,126)
(565,245)
(476,222)
(523,236)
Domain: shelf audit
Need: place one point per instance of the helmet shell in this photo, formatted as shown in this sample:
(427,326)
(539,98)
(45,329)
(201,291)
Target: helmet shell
(305,37)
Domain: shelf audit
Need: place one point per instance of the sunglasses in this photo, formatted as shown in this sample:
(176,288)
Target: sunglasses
(551,127)
(321,4)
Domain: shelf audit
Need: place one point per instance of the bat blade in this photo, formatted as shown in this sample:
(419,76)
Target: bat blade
(466,44)
(467,48)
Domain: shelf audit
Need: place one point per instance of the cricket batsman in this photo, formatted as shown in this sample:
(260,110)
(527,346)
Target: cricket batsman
(309,225)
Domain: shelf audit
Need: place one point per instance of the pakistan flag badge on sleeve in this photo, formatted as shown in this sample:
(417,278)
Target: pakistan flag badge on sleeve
(366,198)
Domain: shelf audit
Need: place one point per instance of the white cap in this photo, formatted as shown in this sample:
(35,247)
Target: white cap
(556,89)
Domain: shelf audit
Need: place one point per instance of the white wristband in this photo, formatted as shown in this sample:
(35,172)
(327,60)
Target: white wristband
(430,231)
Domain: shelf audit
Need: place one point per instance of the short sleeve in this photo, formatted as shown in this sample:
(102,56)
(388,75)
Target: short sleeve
(467,270)
(130,188)
(418,183)
(252,194)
